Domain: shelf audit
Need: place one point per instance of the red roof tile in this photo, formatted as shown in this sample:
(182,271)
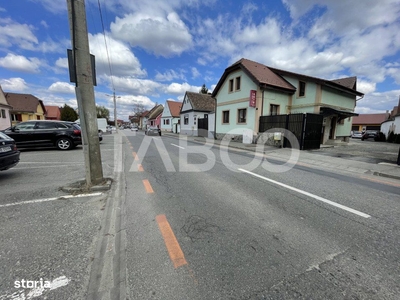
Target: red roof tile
(365,119)
(174,108)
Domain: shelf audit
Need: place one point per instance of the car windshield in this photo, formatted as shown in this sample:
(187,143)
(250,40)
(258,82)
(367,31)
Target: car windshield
(5,137)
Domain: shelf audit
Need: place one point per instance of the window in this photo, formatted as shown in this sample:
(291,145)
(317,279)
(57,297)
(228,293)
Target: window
(237,83)
(302,88)
(3,113)
(25,126)
(225,117)
(164,121)
(242,115)
(274,110)
(16,117)
(186,119)
(167,121)
(231,85)
(45,125)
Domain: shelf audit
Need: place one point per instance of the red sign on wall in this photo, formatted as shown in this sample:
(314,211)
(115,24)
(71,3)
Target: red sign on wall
(252,102)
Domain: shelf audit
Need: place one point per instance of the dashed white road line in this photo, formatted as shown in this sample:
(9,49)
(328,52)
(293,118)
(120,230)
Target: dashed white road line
(354,211)
(51,199)
(180,147)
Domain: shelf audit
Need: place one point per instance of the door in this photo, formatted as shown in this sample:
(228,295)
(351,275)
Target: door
(22,133)
(44,133)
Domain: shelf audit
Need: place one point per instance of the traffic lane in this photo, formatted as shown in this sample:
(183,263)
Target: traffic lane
(308,229)
(346,190)
(151,272)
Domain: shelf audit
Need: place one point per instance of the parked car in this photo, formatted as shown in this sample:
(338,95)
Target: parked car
(369,134)
(356,135)
(135,128)
(153,131)
(9,155)
(46,133)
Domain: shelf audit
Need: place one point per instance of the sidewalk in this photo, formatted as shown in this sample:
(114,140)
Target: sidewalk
(315,158)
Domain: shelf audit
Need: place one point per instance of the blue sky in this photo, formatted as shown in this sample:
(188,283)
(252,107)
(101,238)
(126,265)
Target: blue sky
(159,49)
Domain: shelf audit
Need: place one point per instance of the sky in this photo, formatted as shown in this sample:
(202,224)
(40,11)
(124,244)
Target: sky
(150,51)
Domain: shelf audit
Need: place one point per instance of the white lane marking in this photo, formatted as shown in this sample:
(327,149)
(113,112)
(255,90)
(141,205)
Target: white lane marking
(180,147)
(359,213)
(51,199)
(38,291)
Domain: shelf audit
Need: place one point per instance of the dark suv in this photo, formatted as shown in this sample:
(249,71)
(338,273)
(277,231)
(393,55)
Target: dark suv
(49,133)
(369,134)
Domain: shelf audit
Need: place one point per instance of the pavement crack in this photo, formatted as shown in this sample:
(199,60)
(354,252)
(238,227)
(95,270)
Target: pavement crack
(197,228)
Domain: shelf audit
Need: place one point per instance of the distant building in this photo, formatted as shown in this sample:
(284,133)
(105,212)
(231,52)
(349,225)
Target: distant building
(53,112)
(25,107)
(364,122)
(5,117)
(170,119)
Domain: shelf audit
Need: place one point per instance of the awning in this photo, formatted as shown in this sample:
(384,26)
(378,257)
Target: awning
(342,114)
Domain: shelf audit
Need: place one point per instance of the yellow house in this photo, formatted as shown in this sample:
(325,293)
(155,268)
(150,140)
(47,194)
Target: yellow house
(25,107)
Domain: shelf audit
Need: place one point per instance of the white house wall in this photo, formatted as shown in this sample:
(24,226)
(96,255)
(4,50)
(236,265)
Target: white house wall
(389,126)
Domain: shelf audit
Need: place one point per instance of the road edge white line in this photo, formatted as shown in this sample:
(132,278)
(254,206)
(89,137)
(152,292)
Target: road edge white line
(346,208)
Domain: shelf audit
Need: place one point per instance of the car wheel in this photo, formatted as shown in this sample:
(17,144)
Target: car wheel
(64,144)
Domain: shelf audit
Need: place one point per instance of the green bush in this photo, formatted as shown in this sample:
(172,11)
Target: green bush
(396,138)
(380,137)
(390,138)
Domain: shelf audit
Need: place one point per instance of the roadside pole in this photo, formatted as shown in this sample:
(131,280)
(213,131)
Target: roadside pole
(85,91)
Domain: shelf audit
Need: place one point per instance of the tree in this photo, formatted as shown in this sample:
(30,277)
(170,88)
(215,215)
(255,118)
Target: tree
(138,108)
(102,112)
(68,114)
(204,89)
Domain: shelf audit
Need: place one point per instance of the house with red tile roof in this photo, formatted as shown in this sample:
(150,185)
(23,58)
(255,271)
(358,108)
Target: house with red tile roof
(25,107)
(170,119)
(5,117)
(364,122)
(53,112)
(248,90)
(154,116)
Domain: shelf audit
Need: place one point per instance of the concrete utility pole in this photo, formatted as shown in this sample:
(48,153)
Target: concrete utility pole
(85,92)
(115,112)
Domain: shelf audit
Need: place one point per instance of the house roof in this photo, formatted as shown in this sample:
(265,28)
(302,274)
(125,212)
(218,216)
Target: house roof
(201,102)
(52,111)
(174,108)
(155,111)
(268,77)
(144,114)
(365,119)
(24,102)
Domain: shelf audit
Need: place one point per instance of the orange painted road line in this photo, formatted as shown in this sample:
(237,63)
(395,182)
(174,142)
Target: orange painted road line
(147,186)
(173,248)
(140,168)
(135,156)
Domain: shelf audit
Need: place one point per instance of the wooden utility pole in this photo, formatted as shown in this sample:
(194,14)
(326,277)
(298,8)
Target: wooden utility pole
(85,91)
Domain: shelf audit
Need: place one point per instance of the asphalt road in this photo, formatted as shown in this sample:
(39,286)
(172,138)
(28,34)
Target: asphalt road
(184,225)
(227,233)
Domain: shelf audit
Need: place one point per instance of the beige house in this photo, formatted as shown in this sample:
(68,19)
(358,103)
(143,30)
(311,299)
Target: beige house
(25,107)
(5,117)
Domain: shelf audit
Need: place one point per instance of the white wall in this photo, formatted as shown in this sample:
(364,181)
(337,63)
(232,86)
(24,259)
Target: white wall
(388,126)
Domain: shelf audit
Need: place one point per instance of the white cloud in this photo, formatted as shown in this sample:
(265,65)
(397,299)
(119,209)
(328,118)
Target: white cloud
(378,102)
(195,72)
(164,35)
(135,86)
(62,63)
(14,85)
(54,6)
(121,58)
(181,88)
(15,34)
(62,87)
(170,75)
(20,63)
